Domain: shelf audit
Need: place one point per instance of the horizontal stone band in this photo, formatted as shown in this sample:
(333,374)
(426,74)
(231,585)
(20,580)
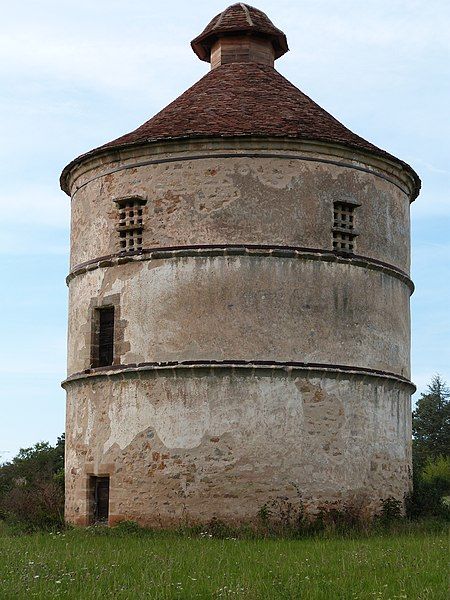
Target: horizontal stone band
(339,162)
(200,251)
(134,369)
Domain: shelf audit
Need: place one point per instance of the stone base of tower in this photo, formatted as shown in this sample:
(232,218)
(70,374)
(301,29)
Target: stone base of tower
(185,445)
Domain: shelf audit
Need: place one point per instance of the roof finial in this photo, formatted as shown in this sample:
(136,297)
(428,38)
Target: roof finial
(240,33)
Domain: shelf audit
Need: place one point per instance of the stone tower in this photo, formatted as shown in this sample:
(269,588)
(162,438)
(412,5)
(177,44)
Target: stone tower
(238,303)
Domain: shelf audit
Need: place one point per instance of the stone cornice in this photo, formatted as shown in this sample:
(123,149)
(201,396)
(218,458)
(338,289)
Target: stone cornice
(99,163)
(226,250)
(171,368)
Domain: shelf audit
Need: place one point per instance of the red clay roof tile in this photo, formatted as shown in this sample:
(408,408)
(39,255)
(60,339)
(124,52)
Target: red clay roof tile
(239,99)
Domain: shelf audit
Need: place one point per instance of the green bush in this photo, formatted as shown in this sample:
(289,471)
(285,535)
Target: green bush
(32,487)
(391,510)
(437,472)
(127,528)
(426,500)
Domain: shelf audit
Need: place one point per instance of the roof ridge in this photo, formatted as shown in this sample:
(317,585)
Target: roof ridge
(247,14)
(220,19)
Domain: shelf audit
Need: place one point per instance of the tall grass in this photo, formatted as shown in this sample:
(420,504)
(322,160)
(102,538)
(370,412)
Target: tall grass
(78,564)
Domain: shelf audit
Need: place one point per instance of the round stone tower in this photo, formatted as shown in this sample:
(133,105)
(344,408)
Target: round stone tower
(238,303)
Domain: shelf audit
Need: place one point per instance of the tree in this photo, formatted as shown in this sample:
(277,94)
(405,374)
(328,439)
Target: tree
(32,485)
(431,424)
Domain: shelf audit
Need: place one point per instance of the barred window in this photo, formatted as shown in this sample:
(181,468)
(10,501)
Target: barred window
(344,233)
(131,223)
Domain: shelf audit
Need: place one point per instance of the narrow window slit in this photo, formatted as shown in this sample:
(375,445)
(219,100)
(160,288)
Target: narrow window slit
(103,341)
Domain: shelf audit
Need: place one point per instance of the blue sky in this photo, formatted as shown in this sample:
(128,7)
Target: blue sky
(76,74)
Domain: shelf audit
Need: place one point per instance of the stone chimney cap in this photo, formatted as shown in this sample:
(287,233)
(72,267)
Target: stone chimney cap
(239,18)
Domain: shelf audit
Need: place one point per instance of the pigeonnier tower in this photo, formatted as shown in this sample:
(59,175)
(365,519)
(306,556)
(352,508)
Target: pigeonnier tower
(238,303)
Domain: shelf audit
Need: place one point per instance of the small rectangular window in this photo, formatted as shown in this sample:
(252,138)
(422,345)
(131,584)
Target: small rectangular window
(131,223)
(104,347)
(344,234)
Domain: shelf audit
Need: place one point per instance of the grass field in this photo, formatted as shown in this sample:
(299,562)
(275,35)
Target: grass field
(85,565)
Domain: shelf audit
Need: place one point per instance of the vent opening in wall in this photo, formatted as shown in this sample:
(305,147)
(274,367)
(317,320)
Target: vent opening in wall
(344,233)
(103,339)
(130,223)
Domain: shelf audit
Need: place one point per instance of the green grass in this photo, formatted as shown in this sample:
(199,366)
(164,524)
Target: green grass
(84,565)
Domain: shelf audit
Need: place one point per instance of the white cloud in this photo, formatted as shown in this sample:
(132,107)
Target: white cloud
(431,168)
(436,253)
(38,205)
(44,214)
(142,47)
(38,369)
(430,206)
(31,243)
(96,62)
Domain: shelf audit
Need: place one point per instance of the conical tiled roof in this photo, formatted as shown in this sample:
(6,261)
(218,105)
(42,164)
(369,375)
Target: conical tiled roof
(239,18)
(242,99)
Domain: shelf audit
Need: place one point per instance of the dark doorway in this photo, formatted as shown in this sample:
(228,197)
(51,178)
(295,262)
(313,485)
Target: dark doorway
(100,499)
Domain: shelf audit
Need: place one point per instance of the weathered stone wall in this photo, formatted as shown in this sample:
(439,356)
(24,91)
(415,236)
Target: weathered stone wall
(212,284)
(203,198)
(246,308)
(196,443)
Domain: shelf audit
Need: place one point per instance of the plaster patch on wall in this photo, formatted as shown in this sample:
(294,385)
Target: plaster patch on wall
(191,413)
(90,421)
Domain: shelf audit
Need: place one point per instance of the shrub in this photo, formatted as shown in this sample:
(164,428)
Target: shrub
(40,505)
(32,487)
(426,500)
(215,529)
(391,510)
(127,528)
(286,518)
(437,473)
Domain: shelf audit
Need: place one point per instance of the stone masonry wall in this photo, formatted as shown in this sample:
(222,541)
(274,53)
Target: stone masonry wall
(245,272)
(246,308)
(190,445)
(247,200)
